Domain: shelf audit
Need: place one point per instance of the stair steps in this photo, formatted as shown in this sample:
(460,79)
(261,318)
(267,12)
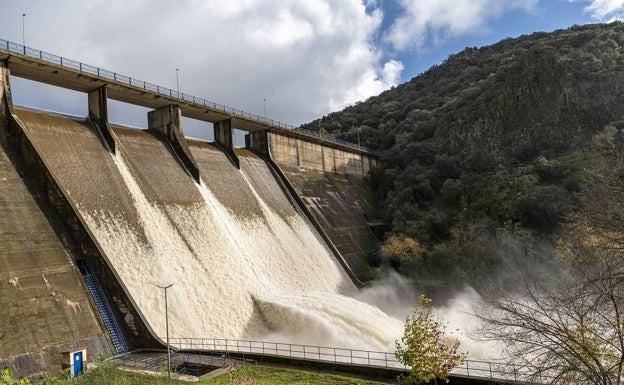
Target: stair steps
(104,310)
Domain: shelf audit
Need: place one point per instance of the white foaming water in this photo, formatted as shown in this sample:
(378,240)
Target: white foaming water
(397,297)
(266,277)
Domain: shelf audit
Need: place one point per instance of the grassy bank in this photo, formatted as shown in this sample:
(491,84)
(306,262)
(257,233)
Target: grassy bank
(107,374)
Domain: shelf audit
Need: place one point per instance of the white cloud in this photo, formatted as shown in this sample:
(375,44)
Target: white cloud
(606,10)
(425,22)
(306,58)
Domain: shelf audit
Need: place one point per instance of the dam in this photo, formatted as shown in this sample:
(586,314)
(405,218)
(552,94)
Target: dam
(266,242)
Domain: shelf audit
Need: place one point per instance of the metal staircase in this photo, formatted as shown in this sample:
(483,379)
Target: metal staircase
(104,309)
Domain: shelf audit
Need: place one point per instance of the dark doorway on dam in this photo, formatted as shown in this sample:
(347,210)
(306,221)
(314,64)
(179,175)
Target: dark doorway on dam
(43,96)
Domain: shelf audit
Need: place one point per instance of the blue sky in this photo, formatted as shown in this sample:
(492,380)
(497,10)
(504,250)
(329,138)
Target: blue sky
(545,16)
(298,59)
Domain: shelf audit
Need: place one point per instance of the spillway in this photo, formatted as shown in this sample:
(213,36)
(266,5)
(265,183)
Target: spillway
(245,262)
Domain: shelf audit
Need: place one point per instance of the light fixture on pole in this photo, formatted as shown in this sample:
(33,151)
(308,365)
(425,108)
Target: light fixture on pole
(24,32)
(177,82)
(265,109)
(165,287)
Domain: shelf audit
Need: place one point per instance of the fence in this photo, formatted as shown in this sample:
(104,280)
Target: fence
(127,80)
(195,364)
(373,359)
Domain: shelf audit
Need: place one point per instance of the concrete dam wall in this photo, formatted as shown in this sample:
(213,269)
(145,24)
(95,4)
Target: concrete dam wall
(244,261)
(45,306)
(331,183)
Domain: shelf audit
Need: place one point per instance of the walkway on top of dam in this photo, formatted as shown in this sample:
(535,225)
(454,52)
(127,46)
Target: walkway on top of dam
(44,67)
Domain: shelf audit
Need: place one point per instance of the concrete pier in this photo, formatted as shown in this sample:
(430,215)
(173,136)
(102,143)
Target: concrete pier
(168,121)
(223,137)
(98,113)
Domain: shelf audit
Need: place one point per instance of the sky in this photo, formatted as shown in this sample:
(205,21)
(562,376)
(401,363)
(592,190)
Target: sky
(291,60)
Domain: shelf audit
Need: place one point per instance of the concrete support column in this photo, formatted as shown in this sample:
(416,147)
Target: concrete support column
(6,105)
(98,113)
(168,121)
(258,141)
(223,137)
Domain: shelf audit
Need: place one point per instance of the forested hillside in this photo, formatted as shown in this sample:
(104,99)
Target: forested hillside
(487,151)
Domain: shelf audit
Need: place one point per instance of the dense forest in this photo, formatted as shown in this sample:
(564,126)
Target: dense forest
(484,155)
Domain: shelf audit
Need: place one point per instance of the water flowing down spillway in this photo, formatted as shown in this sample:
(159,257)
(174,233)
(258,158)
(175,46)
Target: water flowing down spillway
(245,263)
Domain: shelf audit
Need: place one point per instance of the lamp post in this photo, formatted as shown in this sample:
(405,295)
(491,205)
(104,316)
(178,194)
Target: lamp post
(265,110)
(24,32)
(177,82)
(165,287)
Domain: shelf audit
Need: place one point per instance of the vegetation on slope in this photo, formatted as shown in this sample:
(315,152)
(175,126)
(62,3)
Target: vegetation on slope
(108,374)
(493,140)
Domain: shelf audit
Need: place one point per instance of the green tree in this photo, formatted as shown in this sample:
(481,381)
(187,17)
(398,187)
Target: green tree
(426,348)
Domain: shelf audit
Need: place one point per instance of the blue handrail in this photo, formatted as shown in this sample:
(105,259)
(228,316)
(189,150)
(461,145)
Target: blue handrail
(127,80)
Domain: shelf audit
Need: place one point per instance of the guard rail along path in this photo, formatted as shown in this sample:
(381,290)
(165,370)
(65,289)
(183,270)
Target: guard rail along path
(352,357)
(14,48)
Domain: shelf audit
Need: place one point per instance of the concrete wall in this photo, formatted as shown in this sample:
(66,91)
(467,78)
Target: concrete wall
(332,185)
(45,306)
(313,156)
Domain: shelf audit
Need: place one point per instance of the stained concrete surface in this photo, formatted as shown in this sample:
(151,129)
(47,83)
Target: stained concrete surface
(45,307)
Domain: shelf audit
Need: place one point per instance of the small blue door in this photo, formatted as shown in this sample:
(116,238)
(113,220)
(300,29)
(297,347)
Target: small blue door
(77,364)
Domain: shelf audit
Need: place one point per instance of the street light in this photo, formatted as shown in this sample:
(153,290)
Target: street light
(24,32)
(177,82)
(265,110)
(165,287)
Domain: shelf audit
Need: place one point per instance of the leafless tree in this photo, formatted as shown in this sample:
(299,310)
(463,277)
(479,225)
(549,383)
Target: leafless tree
(569,328)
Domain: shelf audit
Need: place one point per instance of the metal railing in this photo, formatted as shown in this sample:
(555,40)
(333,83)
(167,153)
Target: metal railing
(181,362)
(130,81)
(353,357)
